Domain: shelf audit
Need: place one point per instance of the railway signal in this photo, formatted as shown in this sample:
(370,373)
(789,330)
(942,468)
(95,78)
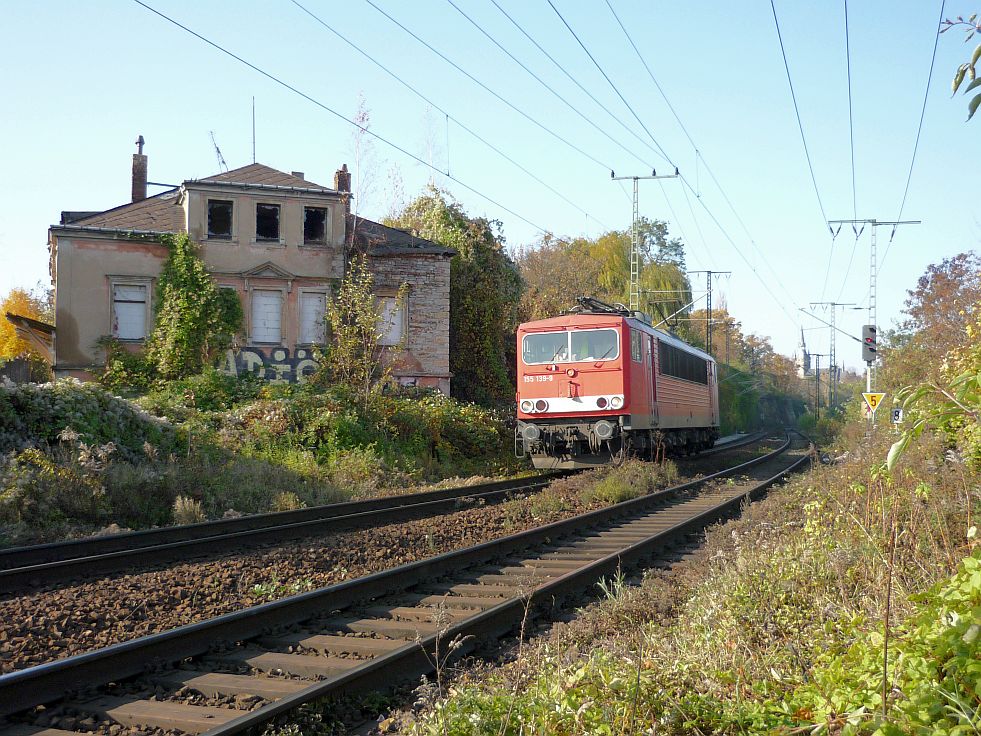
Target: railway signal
(869,344)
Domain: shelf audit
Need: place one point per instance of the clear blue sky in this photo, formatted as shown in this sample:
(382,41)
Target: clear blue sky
(82,80)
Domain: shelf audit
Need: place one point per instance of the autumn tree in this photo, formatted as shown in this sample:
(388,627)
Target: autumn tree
(485,290)
(935,314)
(557,271)
(36,304)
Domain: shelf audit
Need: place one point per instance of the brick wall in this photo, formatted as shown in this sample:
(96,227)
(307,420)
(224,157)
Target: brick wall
(427,362)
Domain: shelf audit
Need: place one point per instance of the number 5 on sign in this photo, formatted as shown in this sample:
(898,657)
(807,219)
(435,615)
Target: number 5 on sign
(872,400)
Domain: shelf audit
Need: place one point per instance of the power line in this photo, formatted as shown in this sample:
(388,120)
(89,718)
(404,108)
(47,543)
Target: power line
(491,92)
(333,112)
(851,125)
(919,129)
(547,86)
(436,106)
(803,139)
(698,155)
(651,74)
(664,155)
(571,78)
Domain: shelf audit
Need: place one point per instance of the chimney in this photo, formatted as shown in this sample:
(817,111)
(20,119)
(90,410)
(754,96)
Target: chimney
(139,172)
(297,174)
(342,183)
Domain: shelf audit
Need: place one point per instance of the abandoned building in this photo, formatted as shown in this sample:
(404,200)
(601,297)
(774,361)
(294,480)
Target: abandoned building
(279,241)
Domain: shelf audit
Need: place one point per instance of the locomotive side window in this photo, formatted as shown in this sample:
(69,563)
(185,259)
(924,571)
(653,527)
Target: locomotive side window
(635,351)
(681,364)
(568,347)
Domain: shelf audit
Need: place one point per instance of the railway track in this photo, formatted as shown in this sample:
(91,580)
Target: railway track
(50,564)
(363,633)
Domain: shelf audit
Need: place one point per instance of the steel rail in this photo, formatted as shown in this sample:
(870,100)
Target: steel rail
(44,683)
(37,554)
(53,563)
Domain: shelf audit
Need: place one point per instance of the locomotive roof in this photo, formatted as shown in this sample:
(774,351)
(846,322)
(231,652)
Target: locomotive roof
(565,321)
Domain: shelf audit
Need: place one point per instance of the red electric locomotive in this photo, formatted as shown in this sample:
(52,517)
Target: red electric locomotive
(600,382)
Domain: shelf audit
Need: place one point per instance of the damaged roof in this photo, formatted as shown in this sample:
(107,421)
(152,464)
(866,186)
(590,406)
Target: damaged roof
(382,240)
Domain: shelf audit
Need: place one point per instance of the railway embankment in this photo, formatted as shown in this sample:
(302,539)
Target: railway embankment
(847,584)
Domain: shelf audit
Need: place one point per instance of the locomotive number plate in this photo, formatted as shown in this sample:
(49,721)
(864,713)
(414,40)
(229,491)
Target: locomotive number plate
(539,379)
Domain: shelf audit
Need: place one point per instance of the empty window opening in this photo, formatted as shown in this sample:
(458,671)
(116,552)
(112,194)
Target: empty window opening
(267,222)
(129,311)
(219,219)
(314,225)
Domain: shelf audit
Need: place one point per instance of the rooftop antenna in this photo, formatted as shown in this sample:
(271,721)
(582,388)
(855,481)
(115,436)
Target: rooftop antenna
(253,128)
(221,159)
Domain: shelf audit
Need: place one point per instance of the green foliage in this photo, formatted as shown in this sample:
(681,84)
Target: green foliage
(630,480)
(36,415)
(354,356)
(967,70)
(193,320)
(485,289)
(934,668)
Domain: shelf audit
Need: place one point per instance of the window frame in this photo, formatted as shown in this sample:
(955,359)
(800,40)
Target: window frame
(393,295)
(142,281)
(568,346)
(282,306)
(278,240)
(304,291)
(231,220)
(325,240)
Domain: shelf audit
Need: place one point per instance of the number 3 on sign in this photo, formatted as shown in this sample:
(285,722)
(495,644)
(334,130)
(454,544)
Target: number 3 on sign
(872,400)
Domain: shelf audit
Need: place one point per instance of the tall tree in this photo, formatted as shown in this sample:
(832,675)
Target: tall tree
(485,290)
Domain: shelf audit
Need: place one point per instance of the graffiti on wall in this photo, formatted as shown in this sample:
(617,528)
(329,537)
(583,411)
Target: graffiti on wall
(271,364)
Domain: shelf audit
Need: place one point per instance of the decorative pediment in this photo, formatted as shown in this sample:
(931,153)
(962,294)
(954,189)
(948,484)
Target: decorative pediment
(268,270)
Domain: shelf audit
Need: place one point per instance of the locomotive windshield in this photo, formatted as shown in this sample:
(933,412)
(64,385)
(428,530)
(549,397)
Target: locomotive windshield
(570,346)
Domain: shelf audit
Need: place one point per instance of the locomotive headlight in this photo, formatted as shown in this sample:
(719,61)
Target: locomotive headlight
(601,402)
(531,432)
(603,429)
(616,402)
(527,406)
(541,405)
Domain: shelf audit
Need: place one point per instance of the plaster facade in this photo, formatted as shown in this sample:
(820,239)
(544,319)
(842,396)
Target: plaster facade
(103,265)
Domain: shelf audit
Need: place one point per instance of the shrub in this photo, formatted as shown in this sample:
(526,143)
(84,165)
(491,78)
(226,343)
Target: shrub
(286,501)
(188,511)
(630,480)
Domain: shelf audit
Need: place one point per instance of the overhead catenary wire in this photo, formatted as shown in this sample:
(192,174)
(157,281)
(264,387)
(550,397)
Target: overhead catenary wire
(606,76)
(490,91)
(919,129)
(605,108)
(339,115)
(851,122)
(803,139)
(463,126)
(547,86)
(708,168)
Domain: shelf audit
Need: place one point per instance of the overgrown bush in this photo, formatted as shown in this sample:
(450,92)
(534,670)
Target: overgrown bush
(630,480)
(35,415)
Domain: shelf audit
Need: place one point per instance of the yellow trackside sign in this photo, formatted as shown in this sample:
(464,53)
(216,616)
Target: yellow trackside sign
(872,400)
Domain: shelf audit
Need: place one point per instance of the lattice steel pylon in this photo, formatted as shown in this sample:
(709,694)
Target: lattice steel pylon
(634,296)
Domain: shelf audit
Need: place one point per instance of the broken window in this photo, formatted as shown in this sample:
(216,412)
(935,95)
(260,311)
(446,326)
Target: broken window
(315,225)
(267,222)
(219,219)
